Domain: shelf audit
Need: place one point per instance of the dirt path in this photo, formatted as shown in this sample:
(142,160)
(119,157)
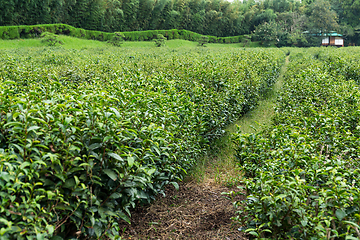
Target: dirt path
(196,211)
(199,210)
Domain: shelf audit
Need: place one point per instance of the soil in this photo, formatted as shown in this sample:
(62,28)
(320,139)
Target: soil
(195,211)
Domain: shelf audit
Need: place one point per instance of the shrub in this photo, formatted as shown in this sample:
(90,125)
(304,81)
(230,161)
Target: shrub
(14,32)
(117,39)
(203,40)
(160,40)
(11,32)
(50,39)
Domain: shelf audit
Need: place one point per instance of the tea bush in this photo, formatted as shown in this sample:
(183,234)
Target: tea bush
(160,40)
(50,39)
(343,62)
(86,135)
(117,39)
(302,175)
(203,40)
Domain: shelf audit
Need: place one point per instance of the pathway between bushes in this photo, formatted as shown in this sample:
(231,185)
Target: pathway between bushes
(199,210)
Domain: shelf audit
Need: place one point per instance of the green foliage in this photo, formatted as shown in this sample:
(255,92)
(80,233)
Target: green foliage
(150,35)
(213,18)
(132,36)
(86,135)
(271,32)
(216,18)
(160,40)
(9,32)
(203,40)
(302,173)
(117,39)
(50,39)
(321,18)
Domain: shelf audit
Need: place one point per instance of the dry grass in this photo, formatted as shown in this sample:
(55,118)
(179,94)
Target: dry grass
(195,211)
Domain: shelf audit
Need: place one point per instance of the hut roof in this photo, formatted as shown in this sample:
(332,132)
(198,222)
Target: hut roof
(325,34)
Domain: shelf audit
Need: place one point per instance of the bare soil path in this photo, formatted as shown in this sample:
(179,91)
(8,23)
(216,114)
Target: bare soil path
(198,210)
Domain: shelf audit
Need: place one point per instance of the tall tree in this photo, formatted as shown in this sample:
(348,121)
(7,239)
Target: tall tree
(320,17)
(95,18)
(113,16)
(165,17)
(265,16)
(156,20)
(58,11)
(130,9)
(146,7)
(79,13)
(348,11)
(7,11)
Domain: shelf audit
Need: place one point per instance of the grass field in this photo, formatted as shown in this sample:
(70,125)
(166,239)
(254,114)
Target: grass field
(76,43)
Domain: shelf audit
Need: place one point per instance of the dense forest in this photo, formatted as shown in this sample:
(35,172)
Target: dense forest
(279,21)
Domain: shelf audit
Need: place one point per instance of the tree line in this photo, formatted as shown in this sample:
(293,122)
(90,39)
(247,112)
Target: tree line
(282,22)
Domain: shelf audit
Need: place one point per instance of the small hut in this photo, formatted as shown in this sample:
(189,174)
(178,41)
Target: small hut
(332,39)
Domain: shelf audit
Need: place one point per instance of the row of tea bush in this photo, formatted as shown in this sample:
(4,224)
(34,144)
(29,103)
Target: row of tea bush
(302,174)
(86,135)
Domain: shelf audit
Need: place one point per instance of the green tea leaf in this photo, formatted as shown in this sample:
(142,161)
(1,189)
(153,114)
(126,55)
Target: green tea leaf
(111,174)
(56,238)
(114,155)
(116,112)
(94,146)
(33,128)
(123,216)
(50,229)
(69,183)
(352,223)
(98,230)
(175,184)
(340,214)
(130,161)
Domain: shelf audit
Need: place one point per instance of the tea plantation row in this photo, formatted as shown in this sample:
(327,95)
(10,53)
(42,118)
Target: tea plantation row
(86,135)
(302,174)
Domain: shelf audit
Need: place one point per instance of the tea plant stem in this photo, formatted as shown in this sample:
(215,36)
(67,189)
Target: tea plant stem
(357,230)
(66,218)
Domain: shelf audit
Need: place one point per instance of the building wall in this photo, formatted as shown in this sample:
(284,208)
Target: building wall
(332,41)
(339,41)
